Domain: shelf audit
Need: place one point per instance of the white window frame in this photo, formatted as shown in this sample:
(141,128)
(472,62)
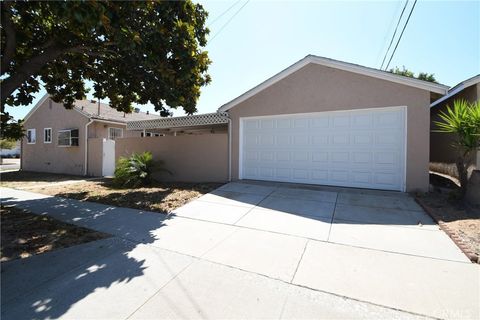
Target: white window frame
(33,133)
(114,128)
(70,138)
(45,135)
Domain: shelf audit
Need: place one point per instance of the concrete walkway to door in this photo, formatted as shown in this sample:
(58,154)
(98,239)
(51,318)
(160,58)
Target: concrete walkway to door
(247,250)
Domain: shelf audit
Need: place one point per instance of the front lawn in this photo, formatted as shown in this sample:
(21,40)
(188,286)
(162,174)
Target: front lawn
(25,234)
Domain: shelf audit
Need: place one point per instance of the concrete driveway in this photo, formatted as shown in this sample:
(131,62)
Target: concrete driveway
(247,250)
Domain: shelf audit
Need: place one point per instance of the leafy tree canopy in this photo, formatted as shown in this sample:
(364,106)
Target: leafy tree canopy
(132,51)
(407,73)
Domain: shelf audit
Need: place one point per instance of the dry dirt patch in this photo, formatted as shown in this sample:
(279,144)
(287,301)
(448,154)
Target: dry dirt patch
(26,179)
(461,221)
(161,197)
(25,234)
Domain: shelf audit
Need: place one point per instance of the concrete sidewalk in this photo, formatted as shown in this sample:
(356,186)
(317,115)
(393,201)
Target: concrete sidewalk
(185,267)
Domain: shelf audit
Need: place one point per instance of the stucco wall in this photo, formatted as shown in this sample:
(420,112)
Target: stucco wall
(316,88)
(49,157)
(191,158)
(100,130)
(441,149)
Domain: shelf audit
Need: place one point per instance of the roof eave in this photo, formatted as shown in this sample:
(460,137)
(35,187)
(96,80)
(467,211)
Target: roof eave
(457,89)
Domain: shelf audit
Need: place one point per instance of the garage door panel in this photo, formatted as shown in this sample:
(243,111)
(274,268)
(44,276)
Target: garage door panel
(320,123)
(388,120)
(340,139)
(251,124)
(266,172)
(320,140)
(362,121)
(267,124)
(341,121)
(339,176)
(283,123)
(361,177)
(282,156)
(362,139)
(300,123)
(358,148)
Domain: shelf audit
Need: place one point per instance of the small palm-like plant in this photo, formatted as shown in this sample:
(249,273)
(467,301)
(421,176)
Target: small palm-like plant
(463,120)
(136,170)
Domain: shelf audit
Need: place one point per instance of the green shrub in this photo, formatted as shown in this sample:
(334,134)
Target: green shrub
(136,170)
(463,120)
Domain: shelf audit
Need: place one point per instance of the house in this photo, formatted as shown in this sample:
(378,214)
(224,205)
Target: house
(60,140)
(319,121)
(441,144)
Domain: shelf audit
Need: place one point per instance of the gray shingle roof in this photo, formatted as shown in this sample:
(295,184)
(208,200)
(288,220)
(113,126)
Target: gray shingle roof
(90,109)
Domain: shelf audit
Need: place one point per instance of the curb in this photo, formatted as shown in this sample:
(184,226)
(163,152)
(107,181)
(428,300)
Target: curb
(471,255)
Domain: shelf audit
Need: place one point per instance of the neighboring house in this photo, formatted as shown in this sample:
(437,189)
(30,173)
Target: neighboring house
(67,141)
(441,144)
(320,121)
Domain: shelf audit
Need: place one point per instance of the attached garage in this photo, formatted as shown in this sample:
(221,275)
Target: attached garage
(322,121)
(356,148)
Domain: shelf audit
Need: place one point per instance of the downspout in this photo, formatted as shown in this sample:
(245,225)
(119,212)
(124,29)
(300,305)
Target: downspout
(85,166)
(229,149)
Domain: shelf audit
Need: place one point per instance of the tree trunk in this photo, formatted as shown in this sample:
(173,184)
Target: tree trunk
(462,175)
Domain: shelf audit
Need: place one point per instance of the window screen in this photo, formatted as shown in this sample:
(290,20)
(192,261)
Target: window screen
(47,135)
(31,136)
(114,133)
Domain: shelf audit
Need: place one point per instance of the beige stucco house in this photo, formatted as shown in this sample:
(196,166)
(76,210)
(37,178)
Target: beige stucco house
(441,144)
(69,141)
(319,121)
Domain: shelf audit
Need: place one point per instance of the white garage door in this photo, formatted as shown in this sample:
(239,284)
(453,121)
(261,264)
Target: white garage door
(357,148)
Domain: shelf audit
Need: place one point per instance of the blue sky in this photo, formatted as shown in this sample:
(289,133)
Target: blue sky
(442,37)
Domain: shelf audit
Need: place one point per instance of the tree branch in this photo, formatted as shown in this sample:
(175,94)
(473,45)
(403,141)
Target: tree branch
(30,68)
(10,37)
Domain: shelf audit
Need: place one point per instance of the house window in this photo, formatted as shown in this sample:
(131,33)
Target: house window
(114,133)
(47,135)
(68,137)
(31,136)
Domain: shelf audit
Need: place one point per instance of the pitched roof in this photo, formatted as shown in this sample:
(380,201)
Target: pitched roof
(90,109)
(346,66)
(458,88)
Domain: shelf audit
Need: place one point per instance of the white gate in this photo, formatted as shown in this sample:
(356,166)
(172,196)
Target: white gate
(108,159)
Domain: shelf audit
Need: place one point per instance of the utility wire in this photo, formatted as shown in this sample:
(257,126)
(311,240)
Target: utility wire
(401,34)
(223,13)
(394,33)
(228,21)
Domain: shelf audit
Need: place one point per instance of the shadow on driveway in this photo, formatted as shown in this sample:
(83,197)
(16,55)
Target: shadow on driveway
(82,273)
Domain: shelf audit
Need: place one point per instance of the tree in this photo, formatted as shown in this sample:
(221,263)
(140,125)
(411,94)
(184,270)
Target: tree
(7,144)
(132,51)
(463,120)
(407,73)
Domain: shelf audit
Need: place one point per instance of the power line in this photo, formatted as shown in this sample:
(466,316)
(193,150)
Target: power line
(401,34)
(223,13)
(394,33)
(228,21)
